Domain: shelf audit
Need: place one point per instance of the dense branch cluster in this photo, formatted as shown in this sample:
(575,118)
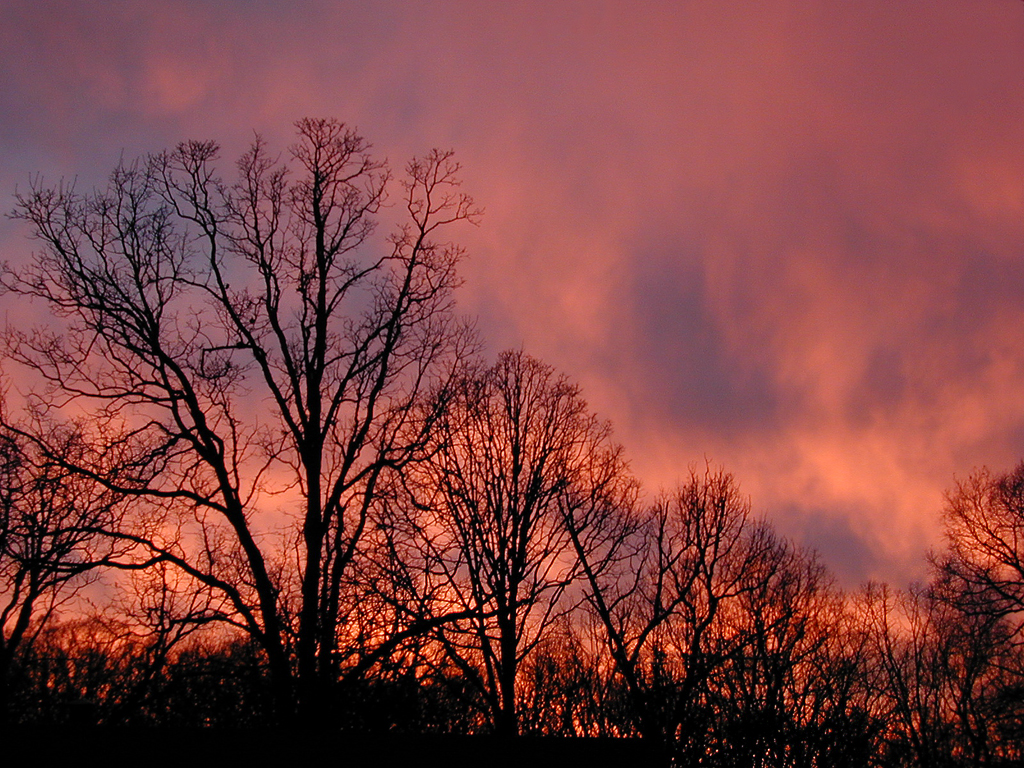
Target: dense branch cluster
(263,444)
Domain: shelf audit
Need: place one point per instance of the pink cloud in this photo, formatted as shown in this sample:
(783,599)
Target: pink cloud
(783,235)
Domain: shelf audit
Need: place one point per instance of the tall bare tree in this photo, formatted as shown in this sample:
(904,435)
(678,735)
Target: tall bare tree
(253,366)
(518,453)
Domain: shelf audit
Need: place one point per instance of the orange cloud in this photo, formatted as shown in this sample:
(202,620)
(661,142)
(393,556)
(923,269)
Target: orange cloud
(783,235)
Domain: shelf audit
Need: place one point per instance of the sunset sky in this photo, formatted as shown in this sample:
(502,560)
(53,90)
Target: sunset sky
(784,236)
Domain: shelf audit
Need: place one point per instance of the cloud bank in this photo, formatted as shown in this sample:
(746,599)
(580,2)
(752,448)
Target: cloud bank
(787,237)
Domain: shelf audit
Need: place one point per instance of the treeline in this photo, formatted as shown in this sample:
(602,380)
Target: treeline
(263,477)
(786,670)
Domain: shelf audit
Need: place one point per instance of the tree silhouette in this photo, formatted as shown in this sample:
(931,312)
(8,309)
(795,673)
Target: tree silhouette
(791,691)
(327,510)
(663,617)
(984,521)
(252,367)
(517,454)
(51,542)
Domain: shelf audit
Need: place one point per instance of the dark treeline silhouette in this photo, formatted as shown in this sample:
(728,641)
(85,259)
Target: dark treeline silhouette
(260,476)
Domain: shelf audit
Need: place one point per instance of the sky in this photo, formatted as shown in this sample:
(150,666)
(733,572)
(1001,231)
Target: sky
(785,237)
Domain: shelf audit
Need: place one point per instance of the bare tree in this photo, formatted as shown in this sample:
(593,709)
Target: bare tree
(518,453)
(983,670)
(565,690)
(984,519)
(252,367)
(663,613)
(945,679)
(50,539)
(910,662)
(792,692)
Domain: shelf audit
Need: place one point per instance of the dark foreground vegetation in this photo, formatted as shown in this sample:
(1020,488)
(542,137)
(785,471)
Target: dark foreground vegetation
(256,478)
(276,746)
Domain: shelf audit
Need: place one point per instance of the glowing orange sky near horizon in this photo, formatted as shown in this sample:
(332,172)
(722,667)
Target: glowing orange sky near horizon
(786,236)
